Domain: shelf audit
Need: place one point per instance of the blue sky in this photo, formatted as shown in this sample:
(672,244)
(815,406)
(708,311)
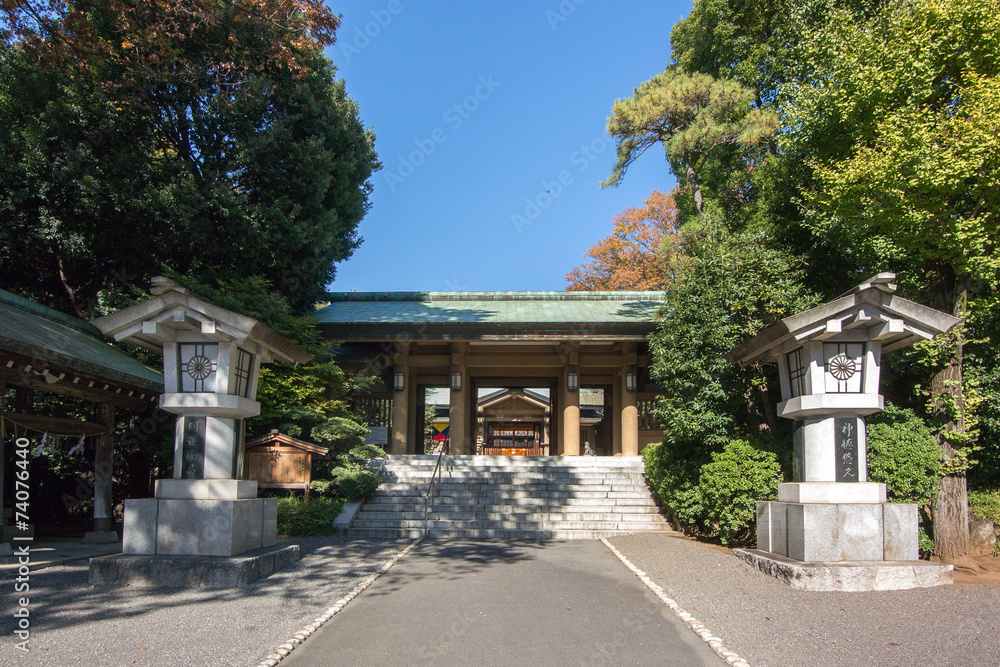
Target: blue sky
(490,123)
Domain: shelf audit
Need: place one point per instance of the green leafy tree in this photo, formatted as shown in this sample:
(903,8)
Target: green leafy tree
(898,120)
(207,138)
(727,293)
(690,115)
(207,141)
(758,45)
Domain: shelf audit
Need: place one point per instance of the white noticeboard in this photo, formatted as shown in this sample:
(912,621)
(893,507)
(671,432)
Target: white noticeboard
(377,435)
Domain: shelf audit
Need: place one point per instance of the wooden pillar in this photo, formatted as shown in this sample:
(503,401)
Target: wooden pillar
(569,413)
(414,437)
(617,389)
(400,401)
(458,412)
(570,441)
(104,463)
(3,449)
(630,406)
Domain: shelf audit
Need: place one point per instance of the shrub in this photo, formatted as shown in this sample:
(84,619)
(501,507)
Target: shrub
(350,483)
(985,505)
(733,482)
(368,452)
(354,483)
(307,517)
(925,543)
(324,488)
(672,474)
(903,454)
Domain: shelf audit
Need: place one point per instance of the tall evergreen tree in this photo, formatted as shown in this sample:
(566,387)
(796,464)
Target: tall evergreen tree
(192,137)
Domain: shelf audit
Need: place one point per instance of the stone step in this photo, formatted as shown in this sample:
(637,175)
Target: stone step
(481,470)
(478,524)
(464,473)
(562,475)
(415,515)
(501,495)
(619,504)
(488,487)
(477,478)
(485,534)
(648,507)
(536,461)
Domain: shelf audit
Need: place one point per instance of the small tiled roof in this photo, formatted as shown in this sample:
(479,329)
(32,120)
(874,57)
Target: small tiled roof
(473,315)
(872,307)
(174,309)
(39,332)
(287,440)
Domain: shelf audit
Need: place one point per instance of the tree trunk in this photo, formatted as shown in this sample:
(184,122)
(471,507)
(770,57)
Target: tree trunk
(951,507)
(951,522)
(692,180)
(772,420)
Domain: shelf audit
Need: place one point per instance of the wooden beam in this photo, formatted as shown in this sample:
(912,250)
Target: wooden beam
(67,387)
(56,425)
(3,438)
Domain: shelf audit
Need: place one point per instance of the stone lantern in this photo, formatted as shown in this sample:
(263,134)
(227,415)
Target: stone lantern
(829,359)
(211,360)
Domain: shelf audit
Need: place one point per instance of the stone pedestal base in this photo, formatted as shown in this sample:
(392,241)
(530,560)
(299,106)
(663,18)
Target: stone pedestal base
(837,532)
(8,533)
(200,517)
(101,537)
(831,492)
(849,577)
(190,571)
(199,527)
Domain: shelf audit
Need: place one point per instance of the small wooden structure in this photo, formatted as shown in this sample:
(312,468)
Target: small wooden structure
(44,350)
(278,461)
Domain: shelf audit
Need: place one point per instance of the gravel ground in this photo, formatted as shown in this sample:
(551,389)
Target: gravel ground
(74,623)
(768,623)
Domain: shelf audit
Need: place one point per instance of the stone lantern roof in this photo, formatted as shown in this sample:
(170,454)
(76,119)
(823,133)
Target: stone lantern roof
(175,310)
(871,310)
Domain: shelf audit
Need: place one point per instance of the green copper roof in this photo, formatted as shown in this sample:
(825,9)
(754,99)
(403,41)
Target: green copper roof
(457,315)
(39,332)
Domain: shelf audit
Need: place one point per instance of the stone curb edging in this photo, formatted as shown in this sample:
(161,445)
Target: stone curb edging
(279,653)
(714,642)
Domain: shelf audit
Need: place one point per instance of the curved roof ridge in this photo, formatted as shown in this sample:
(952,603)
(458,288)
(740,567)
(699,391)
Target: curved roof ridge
(499,296)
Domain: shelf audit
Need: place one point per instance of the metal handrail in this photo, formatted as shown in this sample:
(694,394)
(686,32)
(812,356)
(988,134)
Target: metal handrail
(429,496)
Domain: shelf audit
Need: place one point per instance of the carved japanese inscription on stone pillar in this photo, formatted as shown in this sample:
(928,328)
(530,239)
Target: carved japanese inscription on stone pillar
(194,448)
(848,456)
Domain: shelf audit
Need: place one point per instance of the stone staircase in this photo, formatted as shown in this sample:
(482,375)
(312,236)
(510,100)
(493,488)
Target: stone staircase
(546,497)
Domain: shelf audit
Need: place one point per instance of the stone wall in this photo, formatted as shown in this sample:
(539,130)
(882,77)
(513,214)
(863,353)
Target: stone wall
(984,537)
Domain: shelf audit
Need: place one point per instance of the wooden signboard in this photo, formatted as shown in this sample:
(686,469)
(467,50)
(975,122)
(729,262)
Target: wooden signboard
(278,461)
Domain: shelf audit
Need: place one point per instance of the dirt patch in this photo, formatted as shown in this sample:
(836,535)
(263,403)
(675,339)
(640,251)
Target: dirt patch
(990,574)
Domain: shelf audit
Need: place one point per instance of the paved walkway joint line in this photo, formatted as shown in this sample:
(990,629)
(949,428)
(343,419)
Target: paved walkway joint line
(303,634)
(706,635)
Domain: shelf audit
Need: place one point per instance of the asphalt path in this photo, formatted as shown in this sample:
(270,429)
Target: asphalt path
(771,625)
(505,603)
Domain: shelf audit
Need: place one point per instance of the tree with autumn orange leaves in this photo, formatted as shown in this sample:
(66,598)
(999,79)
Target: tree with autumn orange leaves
(636,255)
